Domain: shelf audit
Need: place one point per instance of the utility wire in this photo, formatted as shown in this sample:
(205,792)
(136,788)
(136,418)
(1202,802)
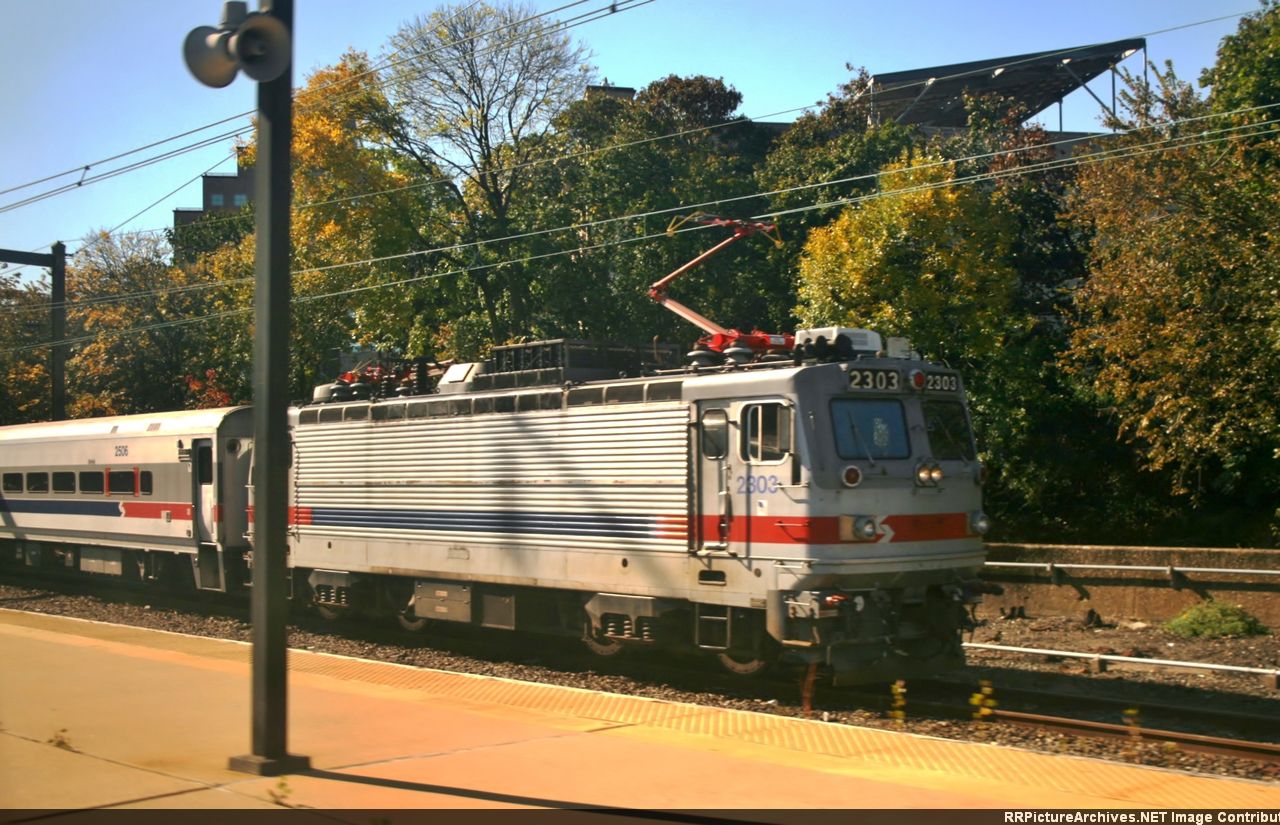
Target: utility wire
(623,5)
(84,168)
(599,13)
(737,198)
(985,69)
(1178,142)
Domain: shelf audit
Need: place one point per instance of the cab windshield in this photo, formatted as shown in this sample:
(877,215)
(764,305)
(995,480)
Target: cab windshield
(948,428)
(870,429)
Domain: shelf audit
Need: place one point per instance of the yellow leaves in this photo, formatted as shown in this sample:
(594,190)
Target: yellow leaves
(924,260)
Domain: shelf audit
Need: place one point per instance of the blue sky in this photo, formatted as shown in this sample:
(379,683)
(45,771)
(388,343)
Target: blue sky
(86,79)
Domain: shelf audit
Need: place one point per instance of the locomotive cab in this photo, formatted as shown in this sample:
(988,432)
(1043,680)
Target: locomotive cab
(845,498)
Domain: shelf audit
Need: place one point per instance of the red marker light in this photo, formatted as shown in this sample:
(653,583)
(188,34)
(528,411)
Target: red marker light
(917,379)
(852,476)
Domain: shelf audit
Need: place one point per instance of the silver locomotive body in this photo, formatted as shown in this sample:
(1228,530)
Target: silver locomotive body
(827,512)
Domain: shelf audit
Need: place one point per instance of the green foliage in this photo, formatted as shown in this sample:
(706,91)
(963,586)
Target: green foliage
(1247,71)
(469,116)
(208,233)
(1215,620)
(24,322)
(1176,334)
(612,167)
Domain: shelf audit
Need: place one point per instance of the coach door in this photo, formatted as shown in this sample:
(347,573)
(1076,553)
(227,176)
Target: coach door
(204,514)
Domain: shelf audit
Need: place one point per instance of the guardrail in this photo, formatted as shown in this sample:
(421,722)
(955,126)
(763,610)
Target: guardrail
(1099,660)
(1153,583)
(1174,572)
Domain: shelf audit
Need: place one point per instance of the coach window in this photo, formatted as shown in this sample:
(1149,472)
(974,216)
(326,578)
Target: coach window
(145,485)
(205,459)
(120,482)
(64,482)
(37,482)
(13,482)
(766,434)
(91,482)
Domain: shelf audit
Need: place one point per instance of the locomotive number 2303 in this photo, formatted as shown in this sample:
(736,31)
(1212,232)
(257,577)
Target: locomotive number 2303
(866,379)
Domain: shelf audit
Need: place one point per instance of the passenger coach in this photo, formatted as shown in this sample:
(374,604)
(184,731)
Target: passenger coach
(152,497)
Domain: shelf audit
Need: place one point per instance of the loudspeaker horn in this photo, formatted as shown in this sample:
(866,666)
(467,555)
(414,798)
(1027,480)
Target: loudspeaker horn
(261,44)
(208,57)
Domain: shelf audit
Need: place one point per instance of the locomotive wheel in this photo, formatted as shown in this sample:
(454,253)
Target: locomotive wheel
(413,624)
(743,665)
(601,645)
(329,614)
(409,620)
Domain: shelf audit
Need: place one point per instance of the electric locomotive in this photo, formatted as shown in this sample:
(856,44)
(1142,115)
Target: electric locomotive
(823,507)
(814,497)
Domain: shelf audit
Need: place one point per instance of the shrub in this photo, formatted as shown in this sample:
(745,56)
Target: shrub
(1213,620)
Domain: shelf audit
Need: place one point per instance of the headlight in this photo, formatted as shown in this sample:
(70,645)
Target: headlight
(864,527)
(928,474)
(979,523)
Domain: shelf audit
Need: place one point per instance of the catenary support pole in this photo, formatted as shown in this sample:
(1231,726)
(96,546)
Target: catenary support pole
(58,323)
(56,263)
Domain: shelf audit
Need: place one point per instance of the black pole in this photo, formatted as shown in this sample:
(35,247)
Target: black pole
(272,193)
(56,263)
(58,355)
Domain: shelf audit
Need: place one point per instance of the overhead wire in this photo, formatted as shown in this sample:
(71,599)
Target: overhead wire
(614,7)
(575,227)
(985,69)
(1185,141)
(604,11)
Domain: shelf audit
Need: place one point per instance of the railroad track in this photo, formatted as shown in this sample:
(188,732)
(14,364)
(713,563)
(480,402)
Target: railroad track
(956,699)
(1213,732)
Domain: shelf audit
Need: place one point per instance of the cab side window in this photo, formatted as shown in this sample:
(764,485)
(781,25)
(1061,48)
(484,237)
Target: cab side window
(766,433)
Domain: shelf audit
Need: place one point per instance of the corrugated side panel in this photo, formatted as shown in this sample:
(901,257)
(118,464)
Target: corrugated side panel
(587,478)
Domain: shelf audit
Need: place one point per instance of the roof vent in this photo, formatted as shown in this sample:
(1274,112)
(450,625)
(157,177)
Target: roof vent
(862,340)
(458,377)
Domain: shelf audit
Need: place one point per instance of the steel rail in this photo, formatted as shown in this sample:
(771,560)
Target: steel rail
(1263,751)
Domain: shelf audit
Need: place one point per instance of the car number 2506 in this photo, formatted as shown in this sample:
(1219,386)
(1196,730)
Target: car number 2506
(873,379)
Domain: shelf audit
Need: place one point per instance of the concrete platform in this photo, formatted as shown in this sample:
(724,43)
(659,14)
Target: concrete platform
(104,716)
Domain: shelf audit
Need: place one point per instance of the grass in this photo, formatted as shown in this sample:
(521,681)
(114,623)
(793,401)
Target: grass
(1215,620)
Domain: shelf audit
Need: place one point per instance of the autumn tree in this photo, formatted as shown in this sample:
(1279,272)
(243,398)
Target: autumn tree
(1177,330)
(624,169)
(925,260)
(826,157)
(474,89)
(25,332)
(137,312)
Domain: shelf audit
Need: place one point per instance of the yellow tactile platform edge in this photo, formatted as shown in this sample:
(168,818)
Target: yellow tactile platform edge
(889,749)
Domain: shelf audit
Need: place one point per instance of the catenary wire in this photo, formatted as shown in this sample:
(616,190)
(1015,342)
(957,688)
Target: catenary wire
(87,166)
(977,178)
(985,69)
(737,198)
(613,9)
(624,5)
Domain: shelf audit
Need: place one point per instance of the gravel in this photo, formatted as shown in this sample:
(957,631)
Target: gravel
(646,673)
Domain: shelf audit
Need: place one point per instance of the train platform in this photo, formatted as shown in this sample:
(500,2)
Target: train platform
(102,716)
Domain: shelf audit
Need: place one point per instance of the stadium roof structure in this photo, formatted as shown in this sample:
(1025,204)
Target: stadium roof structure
(935,96)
